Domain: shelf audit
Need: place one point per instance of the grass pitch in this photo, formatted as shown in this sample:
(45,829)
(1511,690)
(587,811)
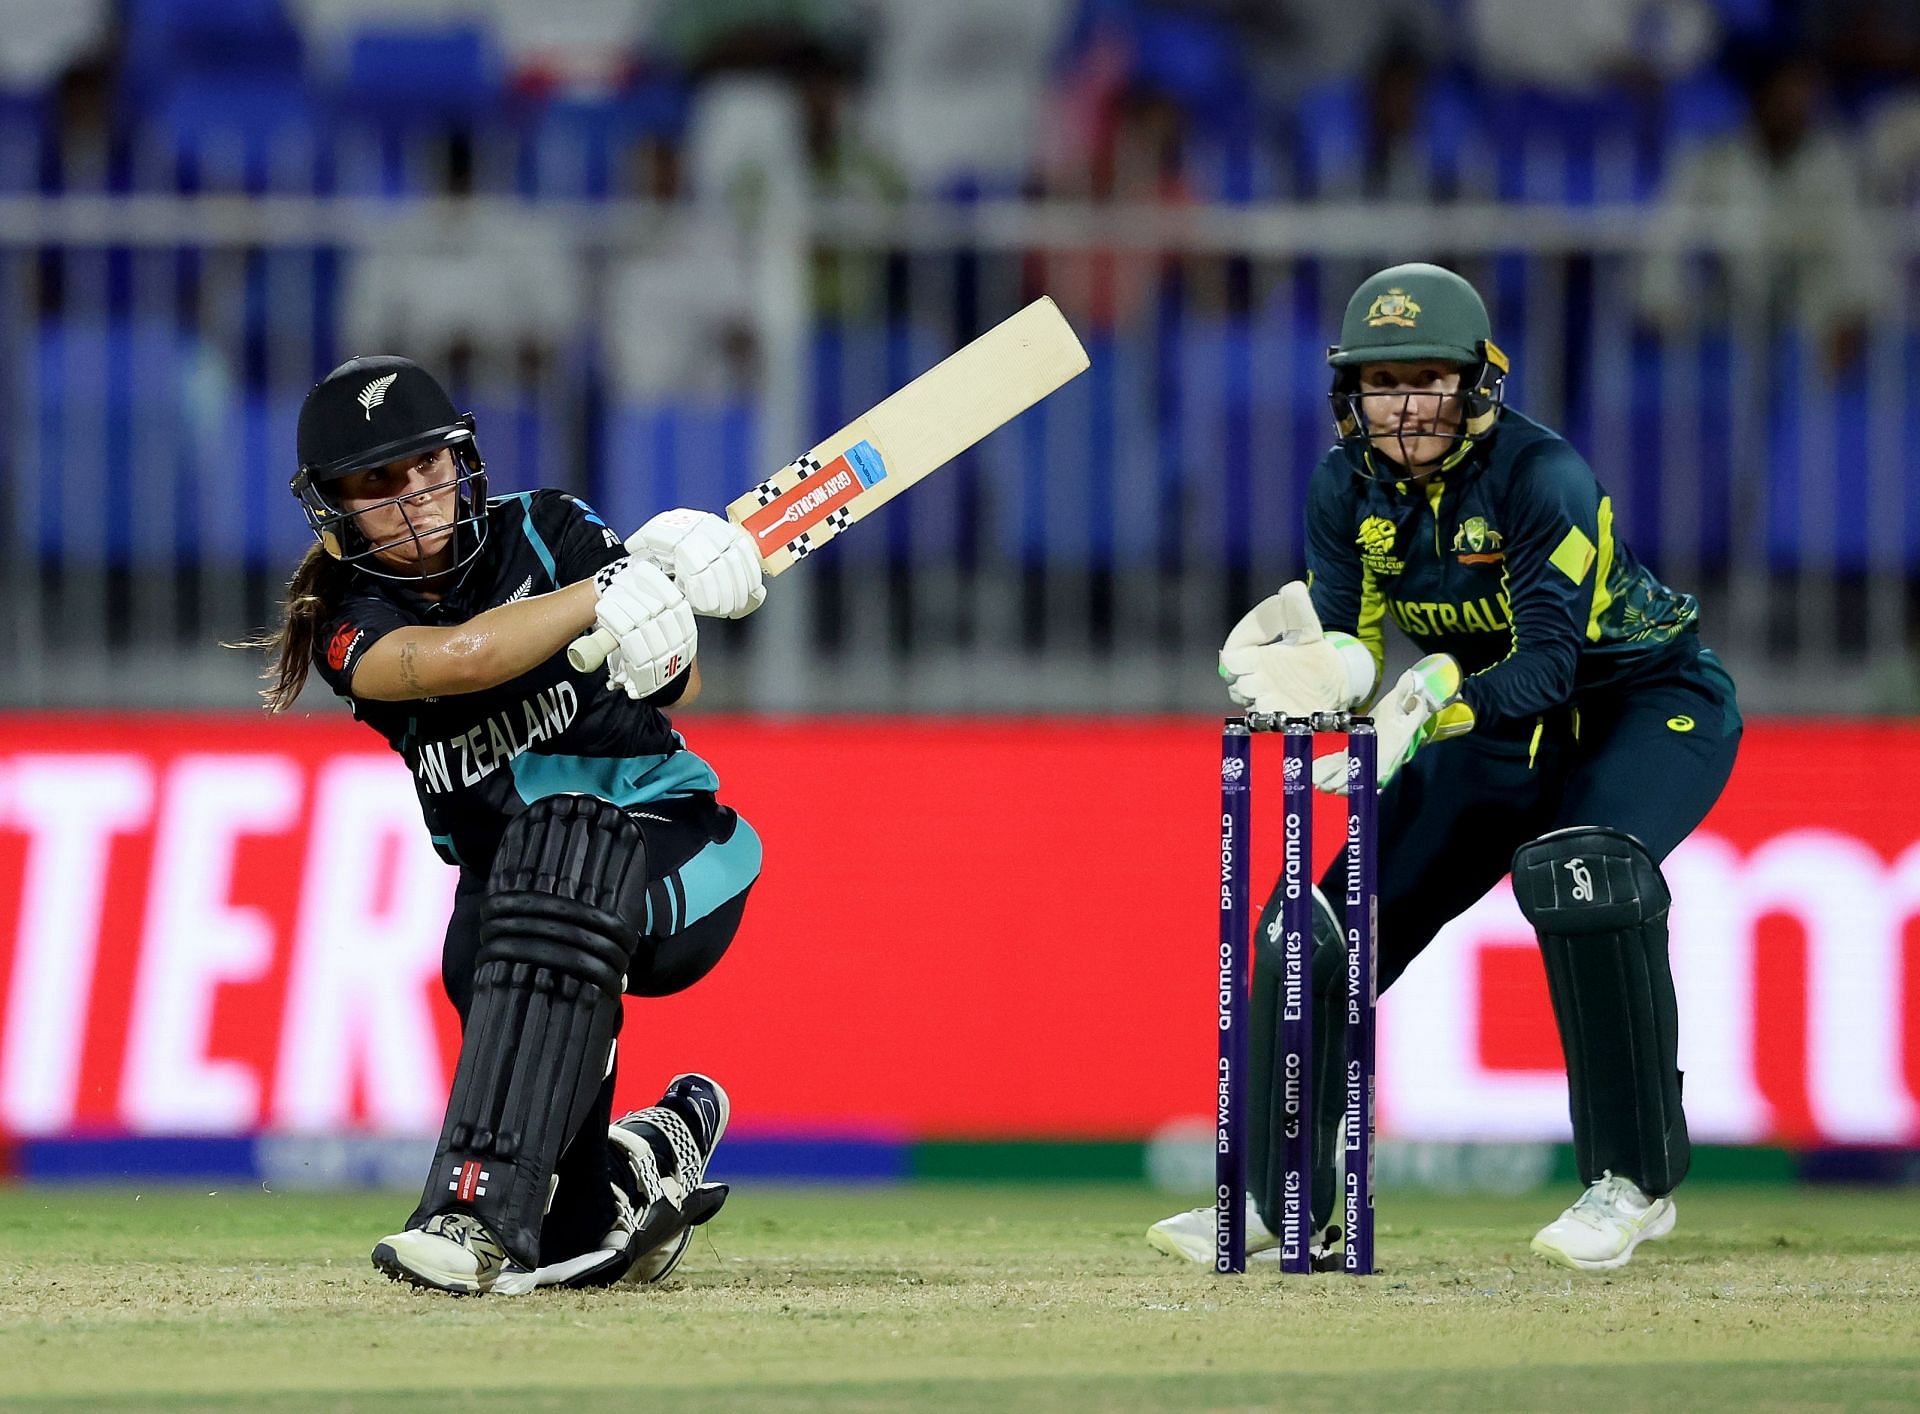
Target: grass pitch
(945,1298)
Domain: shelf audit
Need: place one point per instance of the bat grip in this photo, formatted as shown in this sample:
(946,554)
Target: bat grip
(589,650)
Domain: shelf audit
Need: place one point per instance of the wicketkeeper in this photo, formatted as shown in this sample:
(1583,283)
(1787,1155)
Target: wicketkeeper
(1566,726)
(594,857)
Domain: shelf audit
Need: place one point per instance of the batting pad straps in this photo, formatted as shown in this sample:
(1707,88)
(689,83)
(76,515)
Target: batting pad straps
(1599,904)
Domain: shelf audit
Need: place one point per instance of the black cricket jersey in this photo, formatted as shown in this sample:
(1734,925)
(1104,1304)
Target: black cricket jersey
(1509,562)
(479,758)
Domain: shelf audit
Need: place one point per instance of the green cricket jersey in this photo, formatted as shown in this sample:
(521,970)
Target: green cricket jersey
(1508,562)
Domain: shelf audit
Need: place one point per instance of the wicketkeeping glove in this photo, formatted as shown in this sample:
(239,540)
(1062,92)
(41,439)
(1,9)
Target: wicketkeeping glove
(1277,659)
(712,560)
(1423,706)
(653,622)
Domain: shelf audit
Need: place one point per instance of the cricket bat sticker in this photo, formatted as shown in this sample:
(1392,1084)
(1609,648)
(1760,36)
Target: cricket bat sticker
(794,519)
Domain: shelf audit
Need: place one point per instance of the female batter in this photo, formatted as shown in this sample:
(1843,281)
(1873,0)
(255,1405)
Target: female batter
(1567,726)
(594,857)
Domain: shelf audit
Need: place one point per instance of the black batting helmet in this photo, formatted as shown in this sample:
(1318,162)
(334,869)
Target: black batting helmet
(369,412)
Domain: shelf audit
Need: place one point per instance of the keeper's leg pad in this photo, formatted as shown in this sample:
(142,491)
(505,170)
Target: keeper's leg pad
(559,925)
(1598,902)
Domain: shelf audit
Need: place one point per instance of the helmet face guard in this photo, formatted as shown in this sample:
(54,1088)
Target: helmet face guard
(1482,391)
(339,532)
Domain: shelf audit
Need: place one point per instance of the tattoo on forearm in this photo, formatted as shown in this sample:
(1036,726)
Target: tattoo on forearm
(408,673)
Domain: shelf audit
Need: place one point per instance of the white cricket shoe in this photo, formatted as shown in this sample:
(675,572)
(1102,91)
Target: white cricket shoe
(603,1266)
(1599,1232)
(453,1252)
(1190,1234)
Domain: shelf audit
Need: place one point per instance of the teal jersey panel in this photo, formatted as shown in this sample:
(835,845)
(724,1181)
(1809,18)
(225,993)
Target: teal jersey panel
(630,780)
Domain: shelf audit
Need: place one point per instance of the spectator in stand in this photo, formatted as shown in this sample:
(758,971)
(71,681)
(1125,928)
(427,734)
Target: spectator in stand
(40,42)
(449,280)
(957,88)
(1795,181)
(679,303)
(84,142)
(1289,46)
(787,37)
(1893,150)
(1579,46)
(1870,46)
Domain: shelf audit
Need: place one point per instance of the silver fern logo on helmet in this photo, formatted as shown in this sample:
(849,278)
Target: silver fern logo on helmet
(375,393)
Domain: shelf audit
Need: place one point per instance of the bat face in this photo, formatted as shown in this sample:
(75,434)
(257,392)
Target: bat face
(909,435)
(906,436)
(806,503)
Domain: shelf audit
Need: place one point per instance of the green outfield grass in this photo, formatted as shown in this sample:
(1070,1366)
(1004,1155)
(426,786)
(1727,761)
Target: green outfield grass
(940,1297)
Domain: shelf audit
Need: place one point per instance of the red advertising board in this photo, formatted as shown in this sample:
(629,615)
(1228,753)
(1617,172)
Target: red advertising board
(212,924)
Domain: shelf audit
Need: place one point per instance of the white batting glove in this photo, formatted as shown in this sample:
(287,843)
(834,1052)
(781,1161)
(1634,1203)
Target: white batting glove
(1277,659)
(1423,706)
(653,622)
(712,560)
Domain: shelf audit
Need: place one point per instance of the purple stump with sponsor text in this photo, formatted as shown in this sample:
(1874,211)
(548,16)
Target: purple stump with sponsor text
(1363,928)
(1230,1096)
(1295,1041)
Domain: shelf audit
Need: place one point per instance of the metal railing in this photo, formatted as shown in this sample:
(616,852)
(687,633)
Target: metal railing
(1089,557)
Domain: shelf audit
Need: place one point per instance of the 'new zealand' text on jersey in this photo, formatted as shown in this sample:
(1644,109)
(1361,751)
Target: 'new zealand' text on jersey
(478,758)
(1509,563)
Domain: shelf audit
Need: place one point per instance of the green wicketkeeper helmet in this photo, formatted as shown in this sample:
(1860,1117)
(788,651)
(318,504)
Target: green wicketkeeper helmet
(1417,313)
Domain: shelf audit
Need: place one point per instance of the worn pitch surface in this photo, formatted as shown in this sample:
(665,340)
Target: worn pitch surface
(941,1297)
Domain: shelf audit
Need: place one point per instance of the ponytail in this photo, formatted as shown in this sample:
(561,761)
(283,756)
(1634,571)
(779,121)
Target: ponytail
(312,593)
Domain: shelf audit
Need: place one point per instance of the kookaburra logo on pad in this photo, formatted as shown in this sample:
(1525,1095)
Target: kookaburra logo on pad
(1582,880)
(375,393)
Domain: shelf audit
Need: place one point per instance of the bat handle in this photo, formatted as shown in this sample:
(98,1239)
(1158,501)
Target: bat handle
(589,650)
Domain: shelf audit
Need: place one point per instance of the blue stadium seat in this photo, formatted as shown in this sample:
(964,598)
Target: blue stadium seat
(167,37)
(1589,132)
(1193,60)
(229,131)
(579,147)
(409,78)
(1703,105)
(1329,123)
(24,125)
(664,454)
(125,427)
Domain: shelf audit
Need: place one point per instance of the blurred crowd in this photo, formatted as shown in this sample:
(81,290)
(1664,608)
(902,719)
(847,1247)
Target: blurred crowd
(1791,116)
(1218,99)
(700,125)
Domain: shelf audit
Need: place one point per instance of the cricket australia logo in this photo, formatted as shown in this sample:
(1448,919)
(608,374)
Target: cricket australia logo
(1395,307)
(1232,769)
(1477,543)
(1582,880)
(1376,538)
(375,393)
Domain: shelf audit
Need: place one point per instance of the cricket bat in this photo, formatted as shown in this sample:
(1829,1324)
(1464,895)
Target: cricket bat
(903,439)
